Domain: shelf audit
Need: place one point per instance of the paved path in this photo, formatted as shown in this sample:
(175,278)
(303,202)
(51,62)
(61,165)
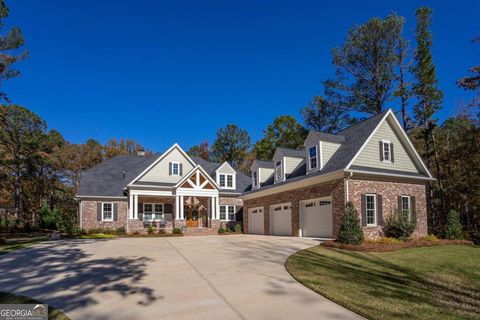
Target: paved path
(206,277)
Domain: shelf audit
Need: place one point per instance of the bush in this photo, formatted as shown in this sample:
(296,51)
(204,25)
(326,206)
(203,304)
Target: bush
(350,230)
(161,231)
(397,225)
(430,237)
(177,231)
(50,219)
(95,231)
(121,231)
(222,230)
(150,229)
(384,240)
(453,227)
(238,228)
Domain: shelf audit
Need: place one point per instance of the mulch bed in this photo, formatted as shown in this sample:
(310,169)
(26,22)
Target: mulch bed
(229,233)
(384,247)
(154,235)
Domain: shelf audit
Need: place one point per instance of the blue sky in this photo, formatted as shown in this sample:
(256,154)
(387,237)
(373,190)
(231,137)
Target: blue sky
(162,72)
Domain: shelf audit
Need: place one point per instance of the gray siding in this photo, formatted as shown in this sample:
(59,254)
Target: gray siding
(160,172)
(291,163)
(370,155)
(265,173)
(328,149)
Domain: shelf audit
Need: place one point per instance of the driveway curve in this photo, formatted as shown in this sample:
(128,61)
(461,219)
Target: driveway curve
(205,277)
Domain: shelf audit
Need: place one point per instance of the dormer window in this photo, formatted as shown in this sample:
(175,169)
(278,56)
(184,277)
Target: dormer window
(278,170)
(312,156)
(255,179)
(225,180)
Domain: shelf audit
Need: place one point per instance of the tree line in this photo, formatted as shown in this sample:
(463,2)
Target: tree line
(376,66)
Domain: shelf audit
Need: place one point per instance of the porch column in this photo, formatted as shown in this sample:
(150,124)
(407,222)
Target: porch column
(130,206)
(182,208)
(177,208)
(217,207)
(135,206)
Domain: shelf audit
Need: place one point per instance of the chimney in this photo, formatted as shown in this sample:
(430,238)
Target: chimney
(141,152)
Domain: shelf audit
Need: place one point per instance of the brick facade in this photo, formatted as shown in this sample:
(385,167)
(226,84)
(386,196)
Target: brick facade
(390,192)
(333,188)
(89,215)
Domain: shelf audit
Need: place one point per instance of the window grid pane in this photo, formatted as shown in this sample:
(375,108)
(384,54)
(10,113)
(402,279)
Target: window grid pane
(175,168)
(107,211)
(231,213)
(223,213)
(386,151)
(229,181)
(222,180)
(370,206)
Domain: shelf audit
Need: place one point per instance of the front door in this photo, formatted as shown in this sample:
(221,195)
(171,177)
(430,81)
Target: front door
(191,217)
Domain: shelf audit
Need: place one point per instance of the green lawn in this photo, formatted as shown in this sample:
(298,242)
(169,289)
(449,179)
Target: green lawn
(16,243)
(53,314)
(98,236)
(420,283)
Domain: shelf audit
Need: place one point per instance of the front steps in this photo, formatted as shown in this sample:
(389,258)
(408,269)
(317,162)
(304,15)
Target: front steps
(195,231)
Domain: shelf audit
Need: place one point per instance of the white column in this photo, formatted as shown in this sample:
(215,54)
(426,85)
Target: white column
(212,208)
(182,208)
(130,206)
(135,206)
(177,208)
(217,208)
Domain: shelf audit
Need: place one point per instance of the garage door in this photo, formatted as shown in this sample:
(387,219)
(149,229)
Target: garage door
(255,221)
(316,218)
(281,220)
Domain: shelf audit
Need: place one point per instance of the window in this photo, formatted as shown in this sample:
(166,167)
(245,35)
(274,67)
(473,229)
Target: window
(230,210)
(278,170)
(225,180)
(312,154)
(175,168)
(405,206)
(371,208)
(255,178)
(386,151)
(107,211)
(153,211)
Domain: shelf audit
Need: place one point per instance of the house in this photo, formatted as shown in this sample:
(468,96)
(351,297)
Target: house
(168,190)
(303,192)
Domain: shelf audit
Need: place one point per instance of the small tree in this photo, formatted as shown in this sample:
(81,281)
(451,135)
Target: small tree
(350,230)
(453,227)
(399,225)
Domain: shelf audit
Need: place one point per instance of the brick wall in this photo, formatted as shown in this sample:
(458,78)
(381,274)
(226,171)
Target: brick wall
(390,192)
(334,188)
(89,215)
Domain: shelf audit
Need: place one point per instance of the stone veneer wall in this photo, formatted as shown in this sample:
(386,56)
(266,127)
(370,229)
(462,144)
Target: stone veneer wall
(390,192)
(334,188)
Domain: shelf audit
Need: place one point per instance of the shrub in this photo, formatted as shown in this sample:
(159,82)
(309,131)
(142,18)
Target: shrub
(430,237)
(161,231)
(397,225)
(177,231)
(350,230)
(150,229)
(222,230)
(50,219)
(121,231)
(95,230)
(453,227)
(238,228)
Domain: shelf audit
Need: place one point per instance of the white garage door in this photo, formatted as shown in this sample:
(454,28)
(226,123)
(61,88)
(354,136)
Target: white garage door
(281,220)
(255,221)
(316,218)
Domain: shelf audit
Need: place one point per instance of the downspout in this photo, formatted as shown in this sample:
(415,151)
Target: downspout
(346,186)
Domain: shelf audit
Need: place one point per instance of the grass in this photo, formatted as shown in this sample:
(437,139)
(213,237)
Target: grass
(53,314)
(419,283)
(97,236)
(11,244)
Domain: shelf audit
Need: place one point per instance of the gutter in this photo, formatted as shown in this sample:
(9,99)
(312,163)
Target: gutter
(382,174)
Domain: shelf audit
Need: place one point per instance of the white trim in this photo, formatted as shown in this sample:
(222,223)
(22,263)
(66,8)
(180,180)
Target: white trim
(388,143)
(398,175)
(162,156)
(227,206)
(375,204)
(178,168)
(295,185)
(103,219)
(81,215)
(102,197)
(197,167)
(153,210)
(182,208)
(130,206)
(226,187)
(198,192)
(151,193)
(320,152)
(310,158)
(135,206)
(149,186)
(409,205)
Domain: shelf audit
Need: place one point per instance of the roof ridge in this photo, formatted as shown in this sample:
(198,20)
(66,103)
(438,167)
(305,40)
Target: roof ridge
(365,120)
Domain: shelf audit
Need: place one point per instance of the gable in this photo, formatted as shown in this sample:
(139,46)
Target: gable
(226,168)
(160,172)
(369,156)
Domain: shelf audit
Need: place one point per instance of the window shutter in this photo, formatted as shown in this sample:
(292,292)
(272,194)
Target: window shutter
(380,147)
(364,210)
(99,211)
(115,211)
(169,168)
(412,203)
(180,168)
(140,211)
(168,208)
(399,203)
(379,210)
(392,158)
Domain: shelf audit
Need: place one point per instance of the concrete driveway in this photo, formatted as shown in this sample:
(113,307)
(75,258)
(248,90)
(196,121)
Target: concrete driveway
(207,277)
